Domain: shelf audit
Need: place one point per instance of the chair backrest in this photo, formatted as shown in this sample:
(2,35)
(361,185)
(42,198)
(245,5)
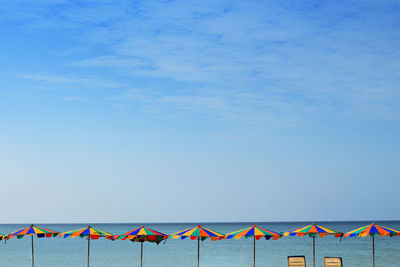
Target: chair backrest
(333,262)
(297,261)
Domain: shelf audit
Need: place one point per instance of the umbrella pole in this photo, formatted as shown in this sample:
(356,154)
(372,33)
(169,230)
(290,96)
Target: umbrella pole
(313,241)
(198,251)
(141,254)
(254,250)
(373,251)
(88,251)
(33,254)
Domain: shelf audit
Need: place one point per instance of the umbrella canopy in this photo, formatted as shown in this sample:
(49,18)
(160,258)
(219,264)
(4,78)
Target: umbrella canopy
(31,231)
(313,230)
(372,230)
(198,233)
(2,236)
(90,233)
(141,235)
(257,233)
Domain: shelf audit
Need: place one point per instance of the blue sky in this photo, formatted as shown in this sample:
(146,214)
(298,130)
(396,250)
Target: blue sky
(160,111)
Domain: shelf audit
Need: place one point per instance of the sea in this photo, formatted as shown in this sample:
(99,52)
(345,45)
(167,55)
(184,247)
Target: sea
(50,252)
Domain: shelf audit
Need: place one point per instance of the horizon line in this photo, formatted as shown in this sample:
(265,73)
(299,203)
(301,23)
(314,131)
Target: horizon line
(210,222)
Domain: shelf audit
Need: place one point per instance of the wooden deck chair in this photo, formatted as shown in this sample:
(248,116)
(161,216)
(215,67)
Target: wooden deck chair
(333,262)
(297,261)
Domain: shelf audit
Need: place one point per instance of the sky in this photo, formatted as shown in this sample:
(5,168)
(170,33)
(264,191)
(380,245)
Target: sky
(199,111)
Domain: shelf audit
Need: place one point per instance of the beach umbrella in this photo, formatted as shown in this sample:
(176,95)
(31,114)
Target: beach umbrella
(31,231)
(143,234)
(257,233)
(2,236)
(90,233)
(313,230)
(198,233)
(372,230)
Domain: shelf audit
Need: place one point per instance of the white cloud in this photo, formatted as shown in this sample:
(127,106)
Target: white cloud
(293,62)
(48,81)
(46,78)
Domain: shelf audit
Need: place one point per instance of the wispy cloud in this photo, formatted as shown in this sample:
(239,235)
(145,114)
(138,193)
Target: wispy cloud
(47,78)
(82,82)
(236,107)
(263,60)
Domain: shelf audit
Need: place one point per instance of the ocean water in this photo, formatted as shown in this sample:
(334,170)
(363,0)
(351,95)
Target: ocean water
(73,252)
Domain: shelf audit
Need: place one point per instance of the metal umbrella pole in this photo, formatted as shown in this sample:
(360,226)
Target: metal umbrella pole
(33,253)
(198,251)
(314,250)
(88,252)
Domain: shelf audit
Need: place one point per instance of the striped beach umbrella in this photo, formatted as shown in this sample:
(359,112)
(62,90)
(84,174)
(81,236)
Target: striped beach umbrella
(257,233)
(198,233)
(90,233)
(313,230)
(32,231)
(143,234)
(372,230)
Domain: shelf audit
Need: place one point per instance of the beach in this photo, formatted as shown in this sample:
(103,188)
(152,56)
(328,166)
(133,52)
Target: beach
(57,251)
